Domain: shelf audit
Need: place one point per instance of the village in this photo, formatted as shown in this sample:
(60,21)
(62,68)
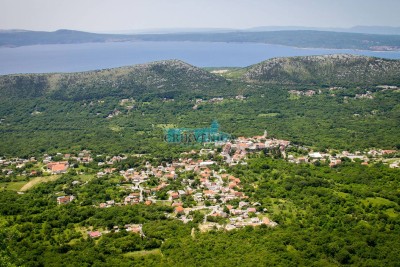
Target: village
(196,182)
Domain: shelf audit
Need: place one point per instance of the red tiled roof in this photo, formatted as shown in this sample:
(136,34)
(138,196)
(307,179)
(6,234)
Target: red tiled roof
(179,209)
(94,234)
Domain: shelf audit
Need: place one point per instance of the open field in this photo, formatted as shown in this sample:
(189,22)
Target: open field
(14,186)
(38,180)
(143,253)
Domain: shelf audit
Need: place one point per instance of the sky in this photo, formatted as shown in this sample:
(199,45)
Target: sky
(131,15)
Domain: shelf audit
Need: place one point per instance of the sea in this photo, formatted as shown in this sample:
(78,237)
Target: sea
(93,56)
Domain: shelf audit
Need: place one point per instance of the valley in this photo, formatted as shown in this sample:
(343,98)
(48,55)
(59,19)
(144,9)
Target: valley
(88,179)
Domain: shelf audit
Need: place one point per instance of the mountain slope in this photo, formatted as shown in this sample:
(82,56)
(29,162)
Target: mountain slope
(328,69)
(166,78)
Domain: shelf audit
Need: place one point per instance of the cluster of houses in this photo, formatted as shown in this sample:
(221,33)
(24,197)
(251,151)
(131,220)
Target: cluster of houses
(302,93)
(82,157)
(235,152)
(113,114)
(19,163)
(216,188)
(16,161)
(367,95)
(209,191)
(215,100)
(134,228)
(335,159)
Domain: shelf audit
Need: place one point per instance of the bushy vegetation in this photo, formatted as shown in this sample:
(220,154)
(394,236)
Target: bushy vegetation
(33,126)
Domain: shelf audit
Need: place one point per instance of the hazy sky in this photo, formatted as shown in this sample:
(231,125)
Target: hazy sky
(114,15)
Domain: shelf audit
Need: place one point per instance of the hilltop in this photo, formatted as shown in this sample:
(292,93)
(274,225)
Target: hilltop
(339,69)
(165,78)
(174,78)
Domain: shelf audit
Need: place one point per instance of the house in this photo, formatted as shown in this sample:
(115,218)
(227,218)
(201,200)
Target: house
(315,155)
(94,234)
(230,227)
(394,165)
(174,195)
(302,160)
(243,204)
(58,167)
(179,209)
(209,193)
(135,228)
(110,203)
(388,152)
(266,220)
(253,210)
(64,199)
(206,163)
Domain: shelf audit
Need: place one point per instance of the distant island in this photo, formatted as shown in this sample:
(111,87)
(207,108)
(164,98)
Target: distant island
(303,38)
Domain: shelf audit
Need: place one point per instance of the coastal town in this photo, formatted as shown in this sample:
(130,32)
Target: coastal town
(197,182)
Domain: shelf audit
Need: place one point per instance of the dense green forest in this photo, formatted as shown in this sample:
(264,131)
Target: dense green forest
(70,112)
(33,127)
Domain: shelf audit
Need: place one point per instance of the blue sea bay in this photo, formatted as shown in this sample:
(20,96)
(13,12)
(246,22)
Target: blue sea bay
(91,56)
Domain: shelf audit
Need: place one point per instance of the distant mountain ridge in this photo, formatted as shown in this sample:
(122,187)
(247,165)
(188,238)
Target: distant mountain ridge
(15,38)
(297,38)
(355,29)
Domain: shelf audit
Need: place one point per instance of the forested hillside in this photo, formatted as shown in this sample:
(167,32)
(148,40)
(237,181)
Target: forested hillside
(127,108)
(329,70)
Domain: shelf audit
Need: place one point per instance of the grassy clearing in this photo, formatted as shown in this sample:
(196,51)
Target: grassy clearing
(267,115)
(163,203)
(168,125)
(342,194)
(391,213)
(38,180)
(378,201)
(83,230)
(85,177)
(3,221)
(234,73)
(115,128)
(294,97)
(143,253)
(14,186)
